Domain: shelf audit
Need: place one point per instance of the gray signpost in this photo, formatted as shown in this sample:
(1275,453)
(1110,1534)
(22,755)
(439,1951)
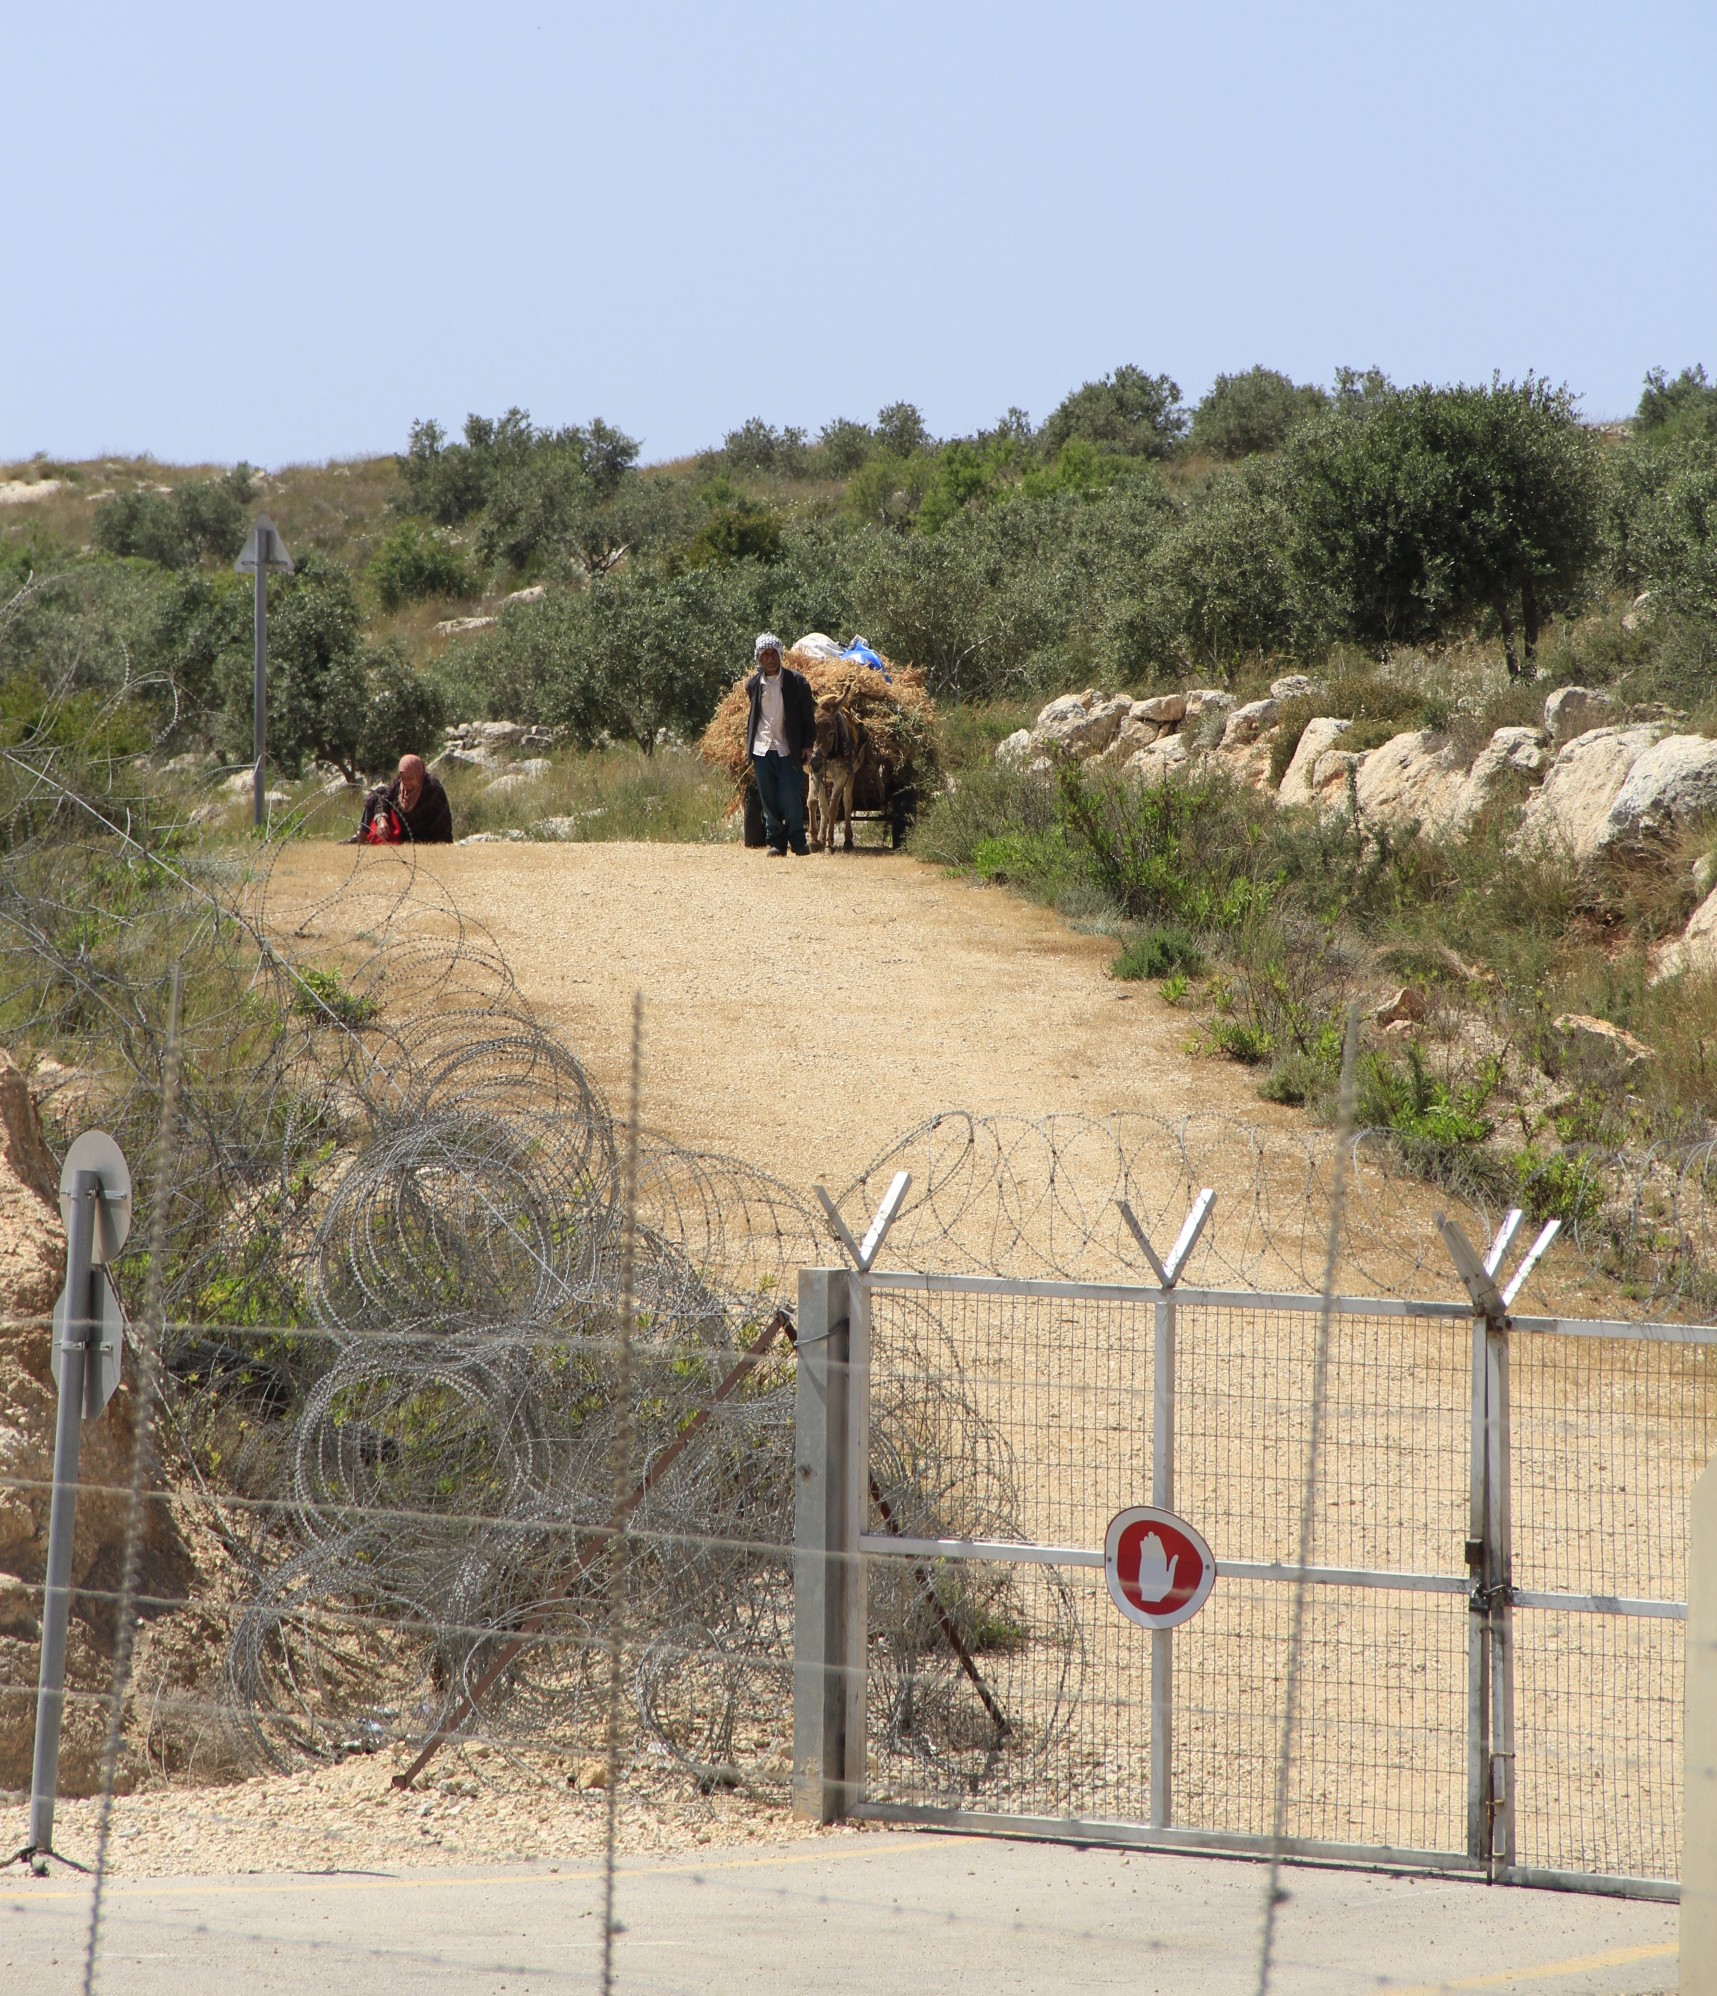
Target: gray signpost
(95,1202)
(263,551)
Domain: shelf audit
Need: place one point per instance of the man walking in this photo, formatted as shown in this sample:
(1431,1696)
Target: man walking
(782,728)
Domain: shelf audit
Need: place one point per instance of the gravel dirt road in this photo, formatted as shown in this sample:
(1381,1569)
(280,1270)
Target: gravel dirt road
(802,1014)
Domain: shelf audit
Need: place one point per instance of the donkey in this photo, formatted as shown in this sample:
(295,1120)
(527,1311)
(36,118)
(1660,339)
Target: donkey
(838,751)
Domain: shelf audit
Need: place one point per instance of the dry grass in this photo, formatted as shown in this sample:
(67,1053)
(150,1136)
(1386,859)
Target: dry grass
(899,715)
(616,793)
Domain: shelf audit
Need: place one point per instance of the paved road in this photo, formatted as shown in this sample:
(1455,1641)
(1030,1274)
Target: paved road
(886,1913)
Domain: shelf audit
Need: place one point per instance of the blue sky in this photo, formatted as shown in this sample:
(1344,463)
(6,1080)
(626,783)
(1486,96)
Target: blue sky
(281,232)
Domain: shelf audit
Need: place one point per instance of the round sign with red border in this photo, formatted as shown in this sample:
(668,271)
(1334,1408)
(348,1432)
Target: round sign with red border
(1160,1571)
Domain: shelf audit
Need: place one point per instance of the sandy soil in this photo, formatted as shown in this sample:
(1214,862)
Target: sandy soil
(803,1014)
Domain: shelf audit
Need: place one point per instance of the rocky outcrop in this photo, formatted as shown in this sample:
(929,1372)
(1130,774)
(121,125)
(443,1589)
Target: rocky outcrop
(1569,814)
(1416,779)
(1674,781)
(1597,1044)
(1318,738)
(1609,789)
(1247,723)
(1575,710)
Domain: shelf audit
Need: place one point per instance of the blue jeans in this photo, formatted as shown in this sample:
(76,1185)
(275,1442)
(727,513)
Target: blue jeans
(781,792)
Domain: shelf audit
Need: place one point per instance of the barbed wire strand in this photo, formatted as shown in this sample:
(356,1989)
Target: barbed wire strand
(1273,1893)
(145,1349)
(619,1571)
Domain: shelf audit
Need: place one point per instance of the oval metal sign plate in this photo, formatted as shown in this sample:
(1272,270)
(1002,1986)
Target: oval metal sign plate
(1159,1569)
(96,1151)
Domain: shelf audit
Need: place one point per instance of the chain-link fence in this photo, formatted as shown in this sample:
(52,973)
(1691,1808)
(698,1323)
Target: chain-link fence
(1491,1653)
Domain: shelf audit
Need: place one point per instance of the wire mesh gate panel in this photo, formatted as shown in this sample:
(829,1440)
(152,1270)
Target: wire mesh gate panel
(1483,1688)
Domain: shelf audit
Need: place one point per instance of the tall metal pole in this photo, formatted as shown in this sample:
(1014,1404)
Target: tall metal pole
(259,687)
(1162,1640)
(68,1438)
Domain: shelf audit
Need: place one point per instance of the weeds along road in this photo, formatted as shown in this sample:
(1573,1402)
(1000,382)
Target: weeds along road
(802,1013)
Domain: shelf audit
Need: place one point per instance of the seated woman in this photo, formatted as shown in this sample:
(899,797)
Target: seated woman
(412,809)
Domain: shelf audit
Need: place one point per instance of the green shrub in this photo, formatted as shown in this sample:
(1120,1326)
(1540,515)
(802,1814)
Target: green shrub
(1173,853)
(755,446)
(844,445)
(319,995)
(1297,1081)
(1254,411)
(404,713)
(414,563)
(1157,953)
(1684,407)
(1378,708)
(1250,1045)
(1129,411)
(203,520)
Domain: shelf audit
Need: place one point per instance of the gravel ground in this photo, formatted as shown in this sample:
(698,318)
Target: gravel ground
(802,1014)
(474,1804)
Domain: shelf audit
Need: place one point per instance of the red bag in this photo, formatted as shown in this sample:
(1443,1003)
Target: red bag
(385,828)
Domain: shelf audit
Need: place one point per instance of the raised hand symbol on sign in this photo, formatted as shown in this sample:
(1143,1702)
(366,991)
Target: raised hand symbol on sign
(1156,1569)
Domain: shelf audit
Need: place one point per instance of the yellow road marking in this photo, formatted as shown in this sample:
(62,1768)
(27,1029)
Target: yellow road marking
(1616,1958)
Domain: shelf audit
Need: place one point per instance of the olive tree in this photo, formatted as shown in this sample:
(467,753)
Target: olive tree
(1416,510)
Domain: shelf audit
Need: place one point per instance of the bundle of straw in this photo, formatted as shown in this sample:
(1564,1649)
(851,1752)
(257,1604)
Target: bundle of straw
(899,716)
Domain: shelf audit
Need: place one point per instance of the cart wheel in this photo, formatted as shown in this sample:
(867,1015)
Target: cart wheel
(753,832)
(902,816)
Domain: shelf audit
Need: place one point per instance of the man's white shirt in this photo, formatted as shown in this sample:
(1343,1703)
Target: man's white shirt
(771,719)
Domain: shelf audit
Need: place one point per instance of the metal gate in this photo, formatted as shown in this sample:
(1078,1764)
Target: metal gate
(1491,1661)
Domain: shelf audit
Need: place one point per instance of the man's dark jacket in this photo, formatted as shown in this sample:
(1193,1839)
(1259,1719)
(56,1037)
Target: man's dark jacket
(429,822)
(798,705)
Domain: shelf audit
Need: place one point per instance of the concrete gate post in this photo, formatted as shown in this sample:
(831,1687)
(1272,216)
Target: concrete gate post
(828,1591)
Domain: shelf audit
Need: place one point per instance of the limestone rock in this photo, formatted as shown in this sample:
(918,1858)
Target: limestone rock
(1207,711)
(1570,811)
(1135,735)
(1081,724)
(534,594)
(591,1774)
(1319,737)
(1639,613)
(1598,1040)
(1246,724)
(1166,709)
(1017,748)
(1674,781)
(1406,1007)
(1166,755)
(1247,762)
(1575,710)
(458,627)
(1510,753)
(1695,948)
(1295,686)
(18,1611)
(1334,773)
(1413,779)
(464,758)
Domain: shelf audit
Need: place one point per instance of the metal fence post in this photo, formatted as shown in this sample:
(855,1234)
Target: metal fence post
(828,1608)
(1478,1615)
(1162,1640)
(1499,1586)
(62,1517)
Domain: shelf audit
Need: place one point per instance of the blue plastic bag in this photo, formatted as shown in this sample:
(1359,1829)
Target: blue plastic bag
(862,653)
